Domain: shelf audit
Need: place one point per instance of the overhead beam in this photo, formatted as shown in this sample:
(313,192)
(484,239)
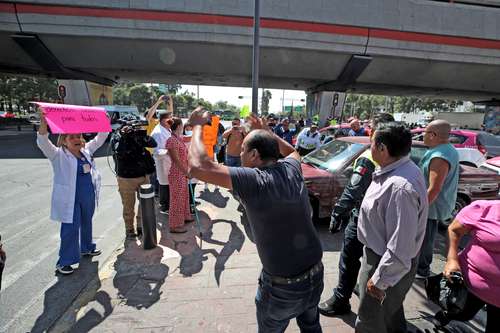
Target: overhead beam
(37,51)
(48,62)
(352,70)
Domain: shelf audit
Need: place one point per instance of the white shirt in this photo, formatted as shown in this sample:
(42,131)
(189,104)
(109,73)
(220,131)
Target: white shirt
(160,153)
(64,165)
(308,140)
(161,135)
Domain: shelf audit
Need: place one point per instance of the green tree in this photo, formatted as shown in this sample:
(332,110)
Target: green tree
(140,96)
(172,89)
(206,104)
(264,106)
(221,105)
(121,95)
(17,91)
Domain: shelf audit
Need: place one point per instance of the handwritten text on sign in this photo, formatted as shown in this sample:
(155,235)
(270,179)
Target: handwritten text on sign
(63,118)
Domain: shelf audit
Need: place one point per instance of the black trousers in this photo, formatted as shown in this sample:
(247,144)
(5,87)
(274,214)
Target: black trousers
(472,307)
(304,151)
(164,197)
(349,263)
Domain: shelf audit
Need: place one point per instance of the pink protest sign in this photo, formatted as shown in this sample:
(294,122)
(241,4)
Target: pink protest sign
(63,118)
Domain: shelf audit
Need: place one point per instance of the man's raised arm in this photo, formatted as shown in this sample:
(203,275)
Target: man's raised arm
(200,165)
(152,109)
(286,149)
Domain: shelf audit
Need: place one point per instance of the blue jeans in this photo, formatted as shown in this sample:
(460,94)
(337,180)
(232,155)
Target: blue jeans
(425,258)
(233,161)
(349,263)
(276,304)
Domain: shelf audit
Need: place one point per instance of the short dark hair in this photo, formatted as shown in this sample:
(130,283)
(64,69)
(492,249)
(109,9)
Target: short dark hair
(174,123)
(381,118)
(164,115)
(265,143)
(395,137)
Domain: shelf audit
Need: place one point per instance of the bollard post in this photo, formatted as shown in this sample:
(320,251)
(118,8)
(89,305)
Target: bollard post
(147,197)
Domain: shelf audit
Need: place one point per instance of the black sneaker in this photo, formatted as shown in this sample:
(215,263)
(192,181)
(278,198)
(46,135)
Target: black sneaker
(440,319)
(130,234)
(331,307)
(139,232)
(93,253)
(66,270)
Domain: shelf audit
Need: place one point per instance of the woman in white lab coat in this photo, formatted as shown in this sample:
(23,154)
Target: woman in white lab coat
(75,192)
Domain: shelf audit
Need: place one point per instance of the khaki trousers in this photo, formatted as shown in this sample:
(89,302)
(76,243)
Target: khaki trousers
(129,190)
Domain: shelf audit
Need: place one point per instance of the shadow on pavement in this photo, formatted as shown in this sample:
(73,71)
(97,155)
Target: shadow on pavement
(138,280)
(93,318)
(215,198)
(190,246)
(60,296)
(139,275)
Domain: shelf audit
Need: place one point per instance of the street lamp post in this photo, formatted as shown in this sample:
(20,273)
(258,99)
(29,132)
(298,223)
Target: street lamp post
(255,62)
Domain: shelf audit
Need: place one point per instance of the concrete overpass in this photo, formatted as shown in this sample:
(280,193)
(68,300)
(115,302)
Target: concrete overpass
(388,47)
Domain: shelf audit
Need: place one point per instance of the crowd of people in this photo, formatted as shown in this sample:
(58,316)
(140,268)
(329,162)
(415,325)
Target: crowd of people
(392,206)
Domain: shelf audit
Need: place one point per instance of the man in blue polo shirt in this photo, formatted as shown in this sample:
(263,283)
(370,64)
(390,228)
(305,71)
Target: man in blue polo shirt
(440,167)
(356,129)
(284,132)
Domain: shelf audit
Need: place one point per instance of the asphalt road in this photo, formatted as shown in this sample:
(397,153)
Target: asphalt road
(32,295)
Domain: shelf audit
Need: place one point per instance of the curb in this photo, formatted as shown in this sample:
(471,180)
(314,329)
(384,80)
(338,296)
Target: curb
(70,316)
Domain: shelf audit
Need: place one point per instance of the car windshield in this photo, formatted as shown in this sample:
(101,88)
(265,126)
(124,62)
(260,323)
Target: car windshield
(333,155)
(336,154)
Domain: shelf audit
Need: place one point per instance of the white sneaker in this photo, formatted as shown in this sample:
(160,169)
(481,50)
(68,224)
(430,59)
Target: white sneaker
(66,270)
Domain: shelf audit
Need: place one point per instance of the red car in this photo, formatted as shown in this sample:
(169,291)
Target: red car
(327,171)
(335,130)
(7,115)
(488,144)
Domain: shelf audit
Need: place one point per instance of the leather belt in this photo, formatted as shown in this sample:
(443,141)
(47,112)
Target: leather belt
(298,278)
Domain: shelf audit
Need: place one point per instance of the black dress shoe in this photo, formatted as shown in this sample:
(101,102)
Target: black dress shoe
(332,308)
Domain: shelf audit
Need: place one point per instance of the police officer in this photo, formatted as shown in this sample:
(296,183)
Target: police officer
(133,165)
(308,140)
(352,249)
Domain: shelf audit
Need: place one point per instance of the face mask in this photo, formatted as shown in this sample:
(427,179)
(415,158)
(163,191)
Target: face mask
(189,133)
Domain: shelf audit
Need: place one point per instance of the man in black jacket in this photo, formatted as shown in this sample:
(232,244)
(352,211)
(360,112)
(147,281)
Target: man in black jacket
(133,164)
(347,207)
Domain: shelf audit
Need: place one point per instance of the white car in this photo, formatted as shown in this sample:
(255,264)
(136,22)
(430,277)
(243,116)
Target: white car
(470,157)
(492,164)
